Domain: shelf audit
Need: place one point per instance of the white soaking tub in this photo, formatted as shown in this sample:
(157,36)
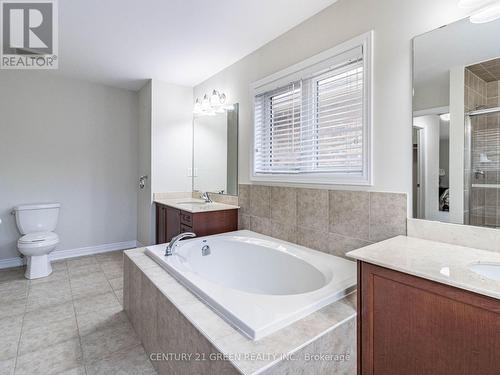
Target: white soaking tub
(257,283)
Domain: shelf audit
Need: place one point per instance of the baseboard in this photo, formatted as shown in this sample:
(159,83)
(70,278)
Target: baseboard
(90,250)
(73,253)
(11,262)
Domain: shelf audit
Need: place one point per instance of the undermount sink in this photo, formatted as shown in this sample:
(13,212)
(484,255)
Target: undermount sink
(193,203)
(488,270)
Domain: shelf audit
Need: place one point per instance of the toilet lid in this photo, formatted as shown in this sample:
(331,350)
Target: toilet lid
(38,237)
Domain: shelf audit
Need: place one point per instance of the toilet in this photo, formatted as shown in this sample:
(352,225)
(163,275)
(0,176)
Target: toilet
(37,223)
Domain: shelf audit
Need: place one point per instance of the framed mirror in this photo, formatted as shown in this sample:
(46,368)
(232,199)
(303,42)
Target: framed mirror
(215,152)
(456,124)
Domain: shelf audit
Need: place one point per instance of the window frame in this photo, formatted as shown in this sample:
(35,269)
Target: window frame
(301,70)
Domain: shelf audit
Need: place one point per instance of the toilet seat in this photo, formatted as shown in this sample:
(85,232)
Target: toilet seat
(38,239)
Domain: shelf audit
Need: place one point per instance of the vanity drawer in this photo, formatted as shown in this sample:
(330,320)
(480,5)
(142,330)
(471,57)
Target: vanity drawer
(185,228)
(187,218)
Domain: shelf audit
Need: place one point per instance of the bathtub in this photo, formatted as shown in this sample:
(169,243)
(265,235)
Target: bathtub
(257,283)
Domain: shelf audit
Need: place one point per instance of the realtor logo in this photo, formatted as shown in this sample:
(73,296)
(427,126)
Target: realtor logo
(28,34)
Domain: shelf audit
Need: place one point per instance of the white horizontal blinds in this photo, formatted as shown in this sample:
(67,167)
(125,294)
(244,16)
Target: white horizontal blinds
(313,125)
(277,134)
(339,120)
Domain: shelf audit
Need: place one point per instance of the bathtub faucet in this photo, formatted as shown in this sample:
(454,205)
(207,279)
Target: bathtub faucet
(174,242)
(205,250)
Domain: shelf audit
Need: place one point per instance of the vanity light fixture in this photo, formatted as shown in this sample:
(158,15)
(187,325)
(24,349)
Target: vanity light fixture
(487,10)
(209,106)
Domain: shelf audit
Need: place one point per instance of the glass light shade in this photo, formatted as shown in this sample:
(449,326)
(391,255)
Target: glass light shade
(197,107)
(210,106)
(214,99)
(488,14)
(205,103)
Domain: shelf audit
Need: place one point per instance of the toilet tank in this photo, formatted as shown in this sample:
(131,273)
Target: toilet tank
(37,217)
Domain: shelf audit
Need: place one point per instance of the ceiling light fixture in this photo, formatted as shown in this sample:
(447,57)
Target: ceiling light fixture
(209,106)
(487,14)
(486,10)
(468,4)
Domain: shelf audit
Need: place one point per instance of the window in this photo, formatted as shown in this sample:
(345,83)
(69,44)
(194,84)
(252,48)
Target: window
(312,122)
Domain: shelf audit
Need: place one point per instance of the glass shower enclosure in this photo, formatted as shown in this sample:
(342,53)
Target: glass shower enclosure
(482,167)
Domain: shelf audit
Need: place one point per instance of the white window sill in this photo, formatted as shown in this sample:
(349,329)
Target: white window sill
(314,179)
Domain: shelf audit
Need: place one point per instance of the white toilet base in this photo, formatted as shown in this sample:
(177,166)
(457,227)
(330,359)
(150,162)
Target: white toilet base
(38,266)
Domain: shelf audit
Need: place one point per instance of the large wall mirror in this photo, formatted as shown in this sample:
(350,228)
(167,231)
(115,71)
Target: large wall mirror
(456,124)
(215,152)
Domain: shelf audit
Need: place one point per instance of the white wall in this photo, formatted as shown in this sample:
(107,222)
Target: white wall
(432,94)
(395,23)
(73,142)
(457,145)
(145,216)
(171,132)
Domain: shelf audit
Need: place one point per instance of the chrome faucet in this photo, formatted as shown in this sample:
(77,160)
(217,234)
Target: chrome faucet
(174,242)
(478,172)
(206,197)
(205,250)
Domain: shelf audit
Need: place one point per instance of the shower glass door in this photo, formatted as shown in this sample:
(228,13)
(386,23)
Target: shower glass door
(482,169)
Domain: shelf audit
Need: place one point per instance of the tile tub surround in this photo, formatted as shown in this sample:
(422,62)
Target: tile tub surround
(333,221)
(171,321)
(70,322)
(435,261)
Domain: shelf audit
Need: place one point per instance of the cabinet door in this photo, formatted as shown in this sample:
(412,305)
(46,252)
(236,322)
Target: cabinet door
(412,326)
(215,222)
(161,221)
(173,221)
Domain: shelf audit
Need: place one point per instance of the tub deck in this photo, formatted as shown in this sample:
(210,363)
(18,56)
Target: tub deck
(185,336)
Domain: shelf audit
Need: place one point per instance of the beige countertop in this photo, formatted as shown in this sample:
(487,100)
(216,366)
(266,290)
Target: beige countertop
(194,205)
(436,261)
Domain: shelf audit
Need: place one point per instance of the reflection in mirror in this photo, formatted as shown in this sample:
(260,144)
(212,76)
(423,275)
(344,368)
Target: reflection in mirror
(215,152)
(456,124)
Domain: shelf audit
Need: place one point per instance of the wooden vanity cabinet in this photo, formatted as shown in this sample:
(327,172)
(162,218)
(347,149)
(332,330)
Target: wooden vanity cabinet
(413,326)
(171,221)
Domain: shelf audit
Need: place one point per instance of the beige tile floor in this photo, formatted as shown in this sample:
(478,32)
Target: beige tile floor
(71,322)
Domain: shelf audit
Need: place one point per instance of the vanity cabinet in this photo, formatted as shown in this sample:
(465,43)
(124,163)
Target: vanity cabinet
(409,325)
(171,221)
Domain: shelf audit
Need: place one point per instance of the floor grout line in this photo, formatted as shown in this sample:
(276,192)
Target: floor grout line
(22,325)
(111,286)
(80,353)
(76,320)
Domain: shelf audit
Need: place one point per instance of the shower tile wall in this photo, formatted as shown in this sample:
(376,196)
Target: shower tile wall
(484,152)
(332,221)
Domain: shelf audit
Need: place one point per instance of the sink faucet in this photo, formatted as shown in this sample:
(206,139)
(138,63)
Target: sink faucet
(174,242)
(206,197)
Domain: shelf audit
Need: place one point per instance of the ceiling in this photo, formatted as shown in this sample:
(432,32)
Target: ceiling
(488,71)
(123,42)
